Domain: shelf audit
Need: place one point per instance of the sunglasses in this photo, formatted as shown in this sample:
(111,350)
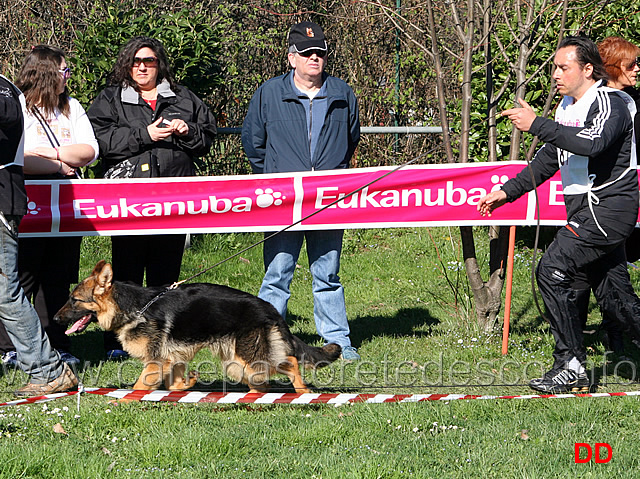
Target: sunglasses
(635,62)
(307,53)
(65,72)
(148,61)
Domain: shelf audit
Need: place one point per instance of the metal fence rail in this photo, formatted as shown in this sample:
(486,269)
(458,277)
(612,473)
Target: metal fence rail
(366,129)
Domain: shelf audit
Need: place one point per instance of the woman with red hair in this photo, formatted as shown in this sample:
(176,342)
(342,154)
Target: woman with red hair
(620,58)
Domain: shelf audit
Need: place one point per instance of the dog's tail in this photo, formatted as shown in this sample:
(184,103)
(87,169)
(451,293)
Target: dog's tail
(313,357)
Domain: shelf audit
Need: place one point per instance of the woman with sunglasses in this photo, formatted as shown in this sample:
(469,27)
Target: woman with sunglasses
(148,126)
(58,141)
(620,58)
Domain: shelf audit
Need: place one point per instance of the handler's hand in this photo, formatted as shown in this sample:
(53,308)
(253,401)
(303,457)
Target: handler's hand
(157,133)
(523,117)
(490,202)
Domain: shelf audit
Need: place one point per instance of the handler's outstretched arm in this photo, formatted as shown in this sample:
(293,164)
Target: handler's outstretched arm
(490,202)
(521,117)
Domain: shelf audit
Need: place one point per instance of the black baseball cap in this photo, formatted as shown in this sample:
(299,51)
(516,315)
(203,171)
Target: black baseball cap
(306,36)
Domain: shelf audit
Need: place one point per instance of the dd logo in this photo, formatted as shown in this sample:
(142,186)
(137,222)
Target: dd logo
(591,452)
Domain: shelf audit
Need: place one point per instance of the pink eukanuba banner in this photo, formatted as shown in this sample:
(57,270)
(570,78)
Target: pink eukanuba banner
(424,195)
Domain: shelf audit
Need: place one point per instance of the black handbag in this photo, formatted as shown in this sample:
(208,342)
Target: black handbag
(124,169)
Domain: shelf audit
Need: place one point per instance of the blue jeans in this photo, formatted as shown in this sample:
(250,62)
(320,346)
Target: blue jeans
(323,249)
(35,355)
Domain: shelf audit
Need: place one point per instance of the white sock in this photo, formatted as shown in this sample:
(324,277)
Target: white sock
(575,365)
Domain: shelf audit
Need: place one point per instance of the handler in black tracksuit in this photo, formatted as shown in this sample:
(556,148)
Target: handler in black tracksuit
(591,142)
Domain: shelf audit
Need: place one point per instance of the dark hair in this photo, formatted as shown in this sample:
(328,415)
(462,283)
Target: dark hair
(586,52)
(39,79)
(121,73)
(614,50)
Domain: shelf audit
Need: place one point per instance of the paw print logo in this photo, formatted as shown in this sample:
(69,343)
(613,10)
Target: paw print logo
(498,181)
(32,207)
(268,197)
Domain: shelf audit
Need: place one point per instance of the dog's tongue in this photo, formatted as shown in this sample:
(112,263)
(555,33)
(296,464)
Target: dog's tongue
(79,325)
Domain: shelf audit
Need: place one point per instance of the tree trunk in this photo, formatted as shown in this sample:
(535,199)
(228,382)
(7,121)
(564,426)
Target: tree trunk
(442,104)
(487,295)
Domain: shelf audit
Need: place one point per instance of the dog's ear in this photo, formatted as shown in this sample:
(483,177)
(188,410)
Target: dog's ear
(104,278)
(98,268)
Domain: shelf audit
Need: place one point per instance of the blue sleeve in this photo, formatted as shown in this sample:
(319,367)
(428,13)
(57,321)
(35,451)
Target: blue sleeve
(254,133)
(354,123)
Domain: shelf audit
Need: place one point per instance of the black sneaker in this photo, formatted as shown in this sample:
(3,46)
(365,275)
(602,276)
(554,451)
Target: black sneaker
(561,381)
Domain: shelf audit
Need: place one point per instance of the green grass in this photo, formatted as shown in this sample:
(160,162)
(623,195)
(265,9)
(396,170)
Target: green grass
(411,316)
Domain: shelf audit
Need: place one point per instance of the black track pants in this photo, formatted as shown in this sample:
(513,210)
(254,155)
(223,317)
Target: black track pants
(584,248)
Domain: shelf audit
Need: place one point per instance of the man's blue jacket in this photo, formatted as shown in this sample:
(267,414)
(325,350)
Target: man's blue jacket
(275,134)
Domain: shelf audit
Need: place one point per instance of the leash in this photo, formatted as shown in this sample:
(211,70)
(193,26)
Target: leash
(257,243)
(154,299)
(535,247)
(535,243)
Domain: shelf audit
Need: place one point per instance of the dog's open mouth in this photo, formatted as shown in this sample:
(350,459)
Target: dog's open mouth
(80,325)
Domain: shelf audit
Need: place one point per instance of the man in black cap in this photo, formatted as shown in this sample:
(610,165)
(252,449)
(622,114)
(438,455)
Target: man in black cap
(301,121)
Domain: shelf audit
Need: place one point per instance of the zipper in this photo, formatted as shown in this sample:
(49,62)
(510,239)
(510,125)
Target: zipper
(153,158)
(310,130)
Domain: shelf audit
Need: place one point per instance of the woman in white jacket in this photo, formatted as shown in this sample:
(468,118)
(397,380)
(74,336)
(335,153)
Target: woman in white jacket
(59,140)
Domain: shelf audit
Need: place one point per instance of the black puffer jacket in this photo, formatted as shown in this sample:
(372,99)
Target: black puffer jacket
(120,118)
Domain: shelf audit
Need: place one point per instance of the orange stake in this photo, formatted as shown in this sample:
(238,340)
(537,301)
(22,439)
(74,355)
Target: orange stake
(507,299)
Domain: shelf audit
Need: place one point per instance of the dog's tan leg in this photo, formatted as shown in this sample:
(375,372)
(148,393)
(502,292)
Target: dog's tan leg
(292,369)
(240,370)
(258,381)
(258,388)
(151,377)
(175,380)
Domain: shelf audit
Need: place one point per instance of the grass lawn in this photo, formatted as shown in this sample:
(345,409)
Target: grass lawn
(412,320)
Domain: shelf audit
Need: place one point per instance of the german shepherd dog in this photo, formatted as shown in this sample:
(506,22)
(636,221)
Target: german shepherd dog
(247,333)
